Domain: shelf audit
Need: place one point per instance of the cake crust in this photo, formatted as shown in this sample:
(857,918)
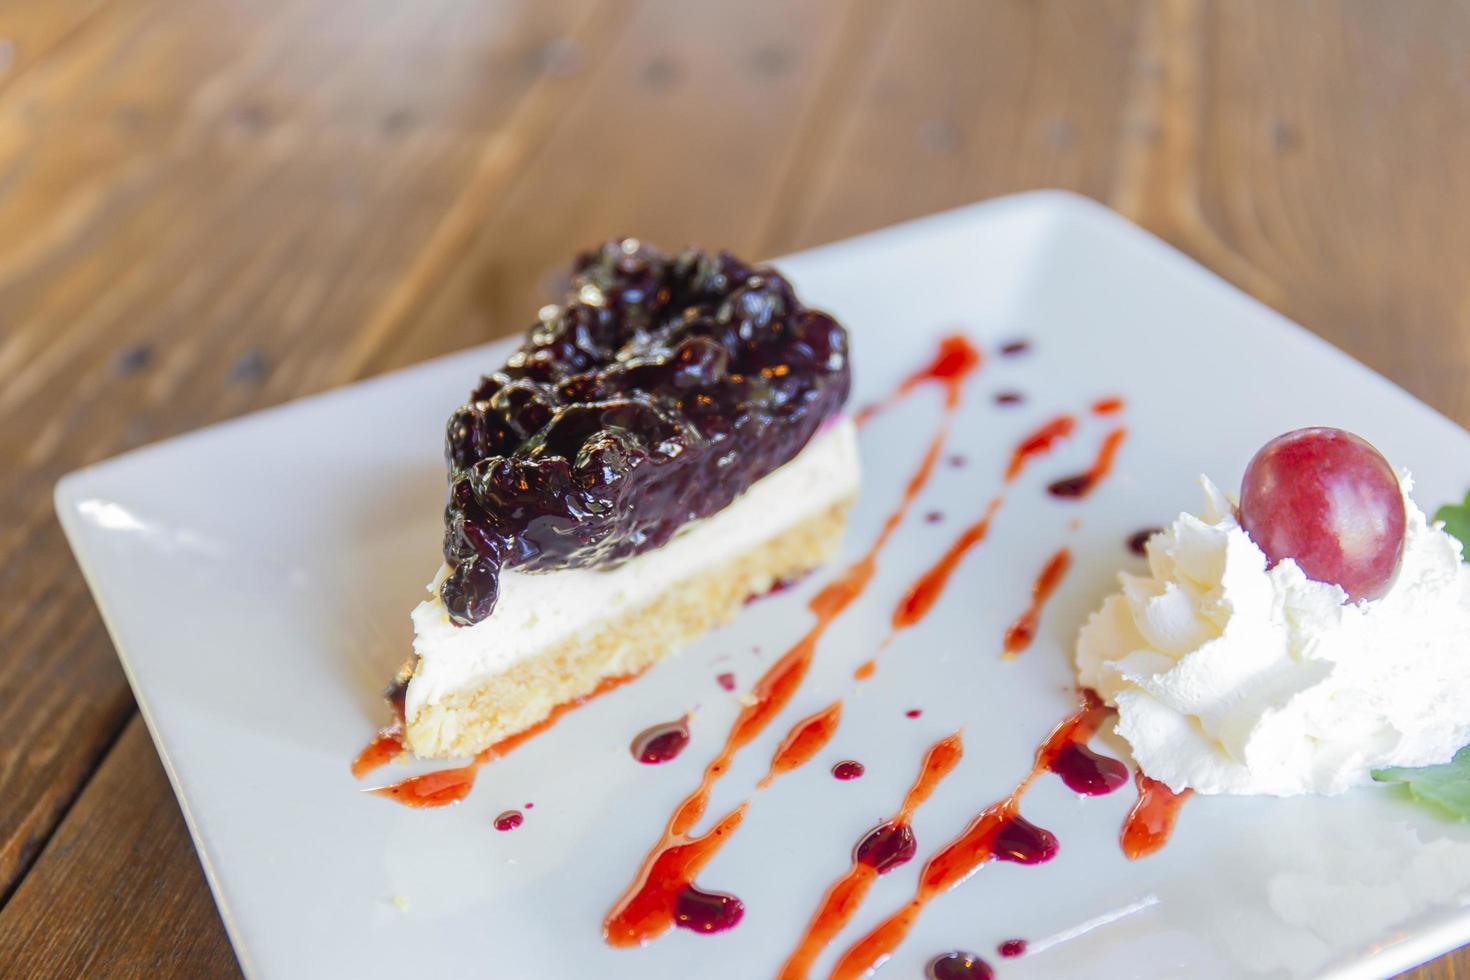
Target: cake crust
(470,720)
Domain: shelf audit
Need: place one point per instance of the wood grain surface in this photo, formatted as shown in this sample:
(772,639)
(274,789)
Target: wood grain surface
(210,206)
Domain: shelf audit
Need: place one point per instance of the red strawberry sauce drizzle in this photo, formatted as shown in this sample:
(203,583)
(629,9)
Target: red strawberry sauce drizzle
(999,832)
(1151,821)
(645,910)
(445,786)
(846,893)
(1023,630)
(1085,482)
(926,590)
(663,893)
(660,743)
(806,738)
(386,746)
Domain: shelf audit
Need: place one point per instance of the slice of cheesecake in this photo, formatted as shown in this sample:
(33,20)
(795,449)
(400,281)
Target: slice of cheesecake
(664,444)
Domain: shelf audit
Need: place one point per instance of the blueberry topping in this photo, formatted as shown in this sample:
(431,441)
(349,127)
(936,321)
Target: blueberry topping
(653,395)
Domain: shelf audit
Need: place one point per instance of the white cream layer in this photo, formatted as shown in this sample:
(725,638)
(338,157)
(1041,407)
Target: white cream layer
(536,611)
(1232,678)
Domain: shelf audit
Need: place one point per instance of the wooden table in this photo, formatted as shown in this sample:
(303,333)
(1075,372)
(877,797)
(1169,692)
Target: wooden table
(210,206)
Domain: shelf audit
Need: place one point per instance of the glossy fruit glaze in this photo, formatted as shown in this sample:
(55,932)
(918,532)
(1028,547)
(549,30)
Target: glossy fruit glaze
(702,911)
(886,846)
(386,746)
(889,845)
(1021,632)
(1011,948)
(958,965)
(1151,820)
(1086,771)
(652,395)
(660,743)
(1039,442)
(1083,483)
(997,833)
(806,738)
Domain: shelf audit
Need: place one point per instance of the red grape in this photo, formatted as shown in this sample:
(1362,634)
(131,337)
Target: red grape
(1329,500)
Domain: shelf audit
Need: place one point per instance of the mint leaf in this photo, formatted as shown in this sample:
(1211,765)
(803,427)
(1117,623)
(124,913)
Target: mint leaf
(1445,788)
(1456,519)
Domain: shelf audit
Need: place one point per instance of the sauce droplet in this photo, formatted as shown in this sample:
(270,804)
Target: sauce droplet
(848,769)
(1082,484)
(887,846)
(1138,541)
(1151,821)
(1012,948)
(1085,771)
(386,746)
(958,966)
(913,713)
(1107,406)
(1015,347)
(1021,841)
(660,743)
(1067,754)
(1009,398)
(509,820)
(934,517)
(726,680)
(707,912)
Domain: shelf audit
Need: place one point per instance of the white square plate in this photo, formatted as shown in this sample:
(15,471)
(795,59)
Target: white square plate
(257,577)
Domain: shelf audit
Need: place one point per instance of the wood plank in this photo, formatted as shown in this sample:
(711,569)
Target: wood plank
(128,903)
(30,32)
(1332,154)
(971,101)
(685,135)
(200,202)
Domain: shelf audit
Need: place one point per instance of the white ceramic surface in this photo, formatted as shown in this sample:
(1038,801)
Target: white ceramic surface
(257,577)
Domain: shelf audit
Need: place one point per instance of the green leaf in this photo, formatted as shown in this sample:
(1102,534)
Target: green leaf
(1445,787)
(1456,519)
